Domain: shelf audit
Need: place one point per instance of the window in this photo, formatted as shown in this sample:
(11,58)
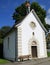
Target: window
(32,25)
(33,33)
(8,42)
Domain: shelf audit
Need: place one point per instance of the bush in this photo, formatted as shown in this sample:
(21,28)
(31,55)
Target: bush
(48,53)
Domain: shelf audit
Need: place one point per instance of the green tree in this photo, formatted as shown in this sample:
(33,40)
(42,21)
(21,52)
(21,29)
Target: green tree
(1,33)
(39,11)
(20,12)
(3,30)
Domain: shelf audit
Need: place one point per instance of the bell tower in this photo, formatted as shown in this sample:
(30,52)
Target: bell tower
(27,6)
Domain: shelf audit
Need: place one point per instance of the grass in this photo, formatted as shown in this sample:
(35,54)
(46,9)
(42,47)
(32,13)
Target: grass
(48,53)
(3,61)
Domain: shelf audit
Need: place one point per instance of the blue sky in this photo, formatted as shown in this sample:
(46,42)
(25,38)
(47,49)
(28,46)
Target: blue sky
(7,7)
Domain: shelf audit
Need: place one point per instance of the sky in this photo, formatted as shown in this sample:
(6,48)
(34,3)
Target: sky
(7,8)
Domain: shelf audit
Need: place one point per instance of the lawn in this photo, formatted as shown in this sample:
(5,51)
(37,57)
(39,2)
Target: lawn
(3,61)
(48,53)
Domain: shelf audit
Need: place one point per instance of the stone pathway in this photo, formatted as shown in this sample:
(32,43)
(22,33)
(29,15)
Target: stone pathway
(44,61)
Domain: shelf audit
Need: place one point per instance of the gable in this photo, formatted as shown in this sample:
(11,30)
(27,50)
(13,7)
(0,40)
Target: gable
(39,21)
(29,17)
(36,17)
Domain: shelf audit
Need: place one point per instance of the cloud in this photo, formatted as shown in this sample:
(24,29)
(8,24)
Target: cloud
(43,6)
(47,19)
(48,11)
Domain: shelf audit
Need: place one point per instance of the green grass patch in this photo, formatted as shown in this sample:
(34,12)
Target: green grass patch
(48,53)
(3,61)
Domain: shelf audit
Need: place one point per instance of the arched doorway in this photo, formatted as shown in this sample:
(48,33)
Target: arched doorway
(33,47)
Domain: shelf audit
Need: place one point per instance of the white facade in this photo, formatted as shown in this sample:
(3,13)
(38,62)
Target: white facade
(27,34)
(26,38)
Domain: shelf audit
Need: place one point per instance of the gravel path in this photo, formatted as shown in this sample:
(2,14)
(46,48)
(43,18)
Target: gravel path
(45,61)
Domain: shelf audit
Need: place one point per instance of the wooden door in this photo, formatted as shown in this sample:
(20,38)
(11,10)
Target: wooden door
(34,51)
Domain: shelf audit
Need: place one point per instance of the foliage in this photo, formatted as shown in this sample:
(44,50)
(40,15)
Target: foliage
(48,26)
(1,40)
(3,30)
(48,53)
(20,12)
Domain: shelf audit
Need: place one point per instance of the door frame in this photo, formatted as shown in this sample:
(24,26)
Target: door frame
(36,50)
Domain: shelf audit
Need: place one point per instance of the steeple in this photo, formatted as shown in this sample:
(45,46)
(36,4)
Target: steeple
(27,6)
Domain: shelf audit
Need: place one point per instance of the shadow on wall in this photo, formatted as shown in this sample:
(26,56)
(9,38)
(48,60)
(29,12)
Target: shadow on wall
(1,50)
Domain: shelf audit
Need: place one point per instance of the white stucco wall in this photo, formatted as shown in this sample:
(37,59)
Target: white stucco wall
(9,53)
(39,35)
